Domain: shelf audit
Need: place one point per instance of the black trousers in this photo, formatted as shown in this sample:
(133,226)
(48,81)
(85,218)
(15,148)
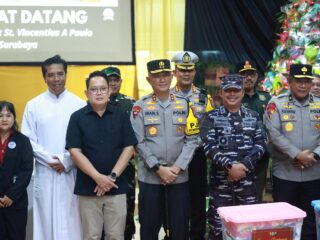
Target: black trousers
(198,191)
(299,194)
(159,204)
(13,223)
(261,170)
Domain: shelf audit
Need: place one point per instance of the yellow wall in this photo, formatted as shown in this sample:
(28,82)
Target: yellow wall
(159,30)
(20,84)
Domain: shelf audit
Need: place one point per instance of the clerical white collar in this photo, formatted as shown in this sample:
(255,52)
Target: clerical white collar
(55,96)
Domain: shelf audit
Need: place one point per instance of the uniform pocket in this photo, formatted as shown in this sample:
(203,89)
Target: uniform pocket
(152,126)
(315,122)
(179,125)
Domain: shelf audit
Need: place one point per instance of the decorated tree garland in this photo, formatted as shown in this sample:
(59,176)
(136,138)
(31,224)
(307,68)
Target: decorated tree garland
(298,42)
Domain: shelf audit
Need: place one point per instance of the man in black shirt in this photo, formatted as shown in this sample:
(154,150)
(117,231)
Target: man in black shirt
(101,141)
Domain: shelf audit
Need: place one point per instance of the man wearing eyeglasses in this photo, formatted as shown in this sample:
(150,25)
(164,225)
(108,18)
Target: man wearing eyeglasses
(125,103)
(256,100)
(45,120)
(100,140)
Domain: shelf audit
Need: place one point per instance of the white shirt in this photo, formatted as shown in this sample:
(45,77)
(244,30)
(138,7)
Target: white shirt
(56,211)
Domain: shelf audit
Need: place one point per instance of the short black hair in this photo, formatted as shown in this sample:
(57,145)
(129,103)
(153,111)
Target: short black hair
(10,107)
(96,74)
(53,60)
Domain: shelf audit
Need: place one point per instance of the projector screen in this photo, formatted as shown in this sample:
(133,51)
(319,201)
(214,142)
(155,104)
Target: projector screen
(81,31)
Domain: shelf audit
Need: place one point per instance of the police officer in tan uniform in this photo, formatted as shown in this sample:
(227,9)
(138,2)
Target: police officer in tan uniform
(185,72)
(293,122)
(165,149)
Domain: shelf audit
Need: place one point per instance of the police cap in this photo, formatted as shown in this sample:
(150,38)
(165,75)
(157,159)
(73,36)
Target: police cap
(301,71)
(185,60)
(160,65)
(246,65)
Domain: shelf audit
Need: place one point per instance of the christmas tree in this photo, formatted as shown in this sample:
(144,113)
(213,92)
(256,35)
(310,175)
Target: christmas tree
(298,42)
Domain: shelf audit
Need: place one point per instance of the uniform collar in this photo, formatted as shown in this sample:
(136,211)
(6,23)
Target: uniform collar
(154,97)
(88,109)
(115,97)
(255,94)
(193,89)
(309,99)
(53,96)
(227,112)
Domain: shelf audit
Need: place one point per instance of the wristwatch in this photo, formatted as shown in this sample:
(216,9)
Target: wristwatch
(316,156)
(156,167)
(229,166)
(113,176)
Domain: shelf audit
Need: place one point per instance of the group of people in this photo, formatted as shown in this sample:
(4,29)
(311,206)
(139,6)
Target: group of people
(85,153)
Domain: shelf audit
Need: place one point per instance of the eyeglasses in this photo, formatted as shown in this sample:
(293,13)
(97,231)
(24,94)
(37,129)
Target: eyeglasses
(102,90)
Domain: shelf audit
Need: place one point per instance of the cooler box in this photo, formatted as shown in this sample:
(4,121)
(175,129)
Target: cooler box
(316,205)
(266,221)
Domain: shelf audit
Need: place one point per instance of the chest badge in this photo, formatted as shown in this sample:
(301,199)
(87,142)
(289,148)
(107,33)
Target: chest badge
(153,131)
(12,145)
(317,126)
(262,97)
(289,127)
(285,117)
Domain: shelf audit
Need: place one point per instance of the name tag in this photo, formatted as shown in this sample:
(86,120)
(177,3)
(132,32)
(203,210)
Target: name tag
(221,122)
(288,111)
(249,122)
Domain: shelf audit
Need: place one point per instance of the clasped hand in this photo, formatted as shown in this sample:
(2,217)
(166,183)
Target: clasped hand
(104,184)
(237,172)
(168,174)
(57,166)
(5,201)
(304,159)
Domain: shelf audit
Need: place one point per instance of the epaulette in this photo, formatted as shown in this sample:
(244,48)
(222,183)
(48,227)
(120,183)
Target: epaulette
(263,92)
(146,97)
(249,111)
(282,95)
(202,90)
(244,109)
(214,112)
(221,109)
